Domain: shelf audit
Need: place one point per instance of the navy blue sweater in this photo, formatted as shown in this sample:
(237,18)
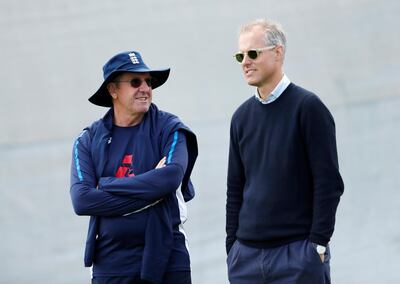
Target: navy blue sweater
(283,177)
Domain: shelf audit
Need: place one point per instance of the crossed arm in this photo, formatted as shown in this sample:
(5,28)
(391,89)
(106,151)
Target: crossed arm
(110,196)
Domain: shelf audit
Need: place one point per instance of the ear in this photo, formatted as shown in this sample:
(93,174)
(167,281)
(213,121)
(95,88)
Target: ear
(111,87)
(280,52)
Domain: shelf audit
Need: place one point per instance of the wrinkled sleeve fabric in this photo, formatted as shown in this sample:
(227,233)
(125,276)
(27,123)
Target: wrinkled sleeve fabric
(85,196)
(235,183)
(157,183)
(318,130)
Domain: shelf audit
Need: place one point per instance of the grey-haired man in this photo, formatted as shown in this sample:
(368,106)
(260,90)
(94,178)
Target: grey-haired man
(283,177)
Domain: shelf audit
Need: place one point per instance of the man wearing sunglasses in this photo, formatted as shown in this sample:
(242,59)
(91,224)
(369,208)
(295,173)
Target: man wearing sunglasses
(131,174)
(283,184)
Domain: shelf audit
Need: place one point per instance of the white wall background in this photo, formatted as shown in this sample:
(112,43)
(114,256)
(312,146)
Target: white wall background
(51,57)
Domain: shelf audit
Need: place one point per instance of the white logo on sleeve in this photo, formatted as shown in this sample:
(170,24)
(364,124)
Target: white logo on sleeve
(133,58)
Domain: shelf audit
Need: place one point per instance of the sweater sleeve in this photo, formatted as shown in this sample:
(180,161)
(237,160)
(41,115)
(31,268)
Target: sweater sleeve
(86,198)
(235,183)
(318,129)
(157,183)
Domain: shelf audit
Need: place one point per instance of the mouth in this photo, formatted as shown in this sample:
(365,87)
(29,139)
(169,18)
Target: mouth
(249,71)
(142,99)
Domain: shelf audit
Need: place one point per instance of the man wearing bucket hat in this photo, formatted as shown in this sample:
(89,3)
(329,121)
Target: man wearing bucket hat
(131,173)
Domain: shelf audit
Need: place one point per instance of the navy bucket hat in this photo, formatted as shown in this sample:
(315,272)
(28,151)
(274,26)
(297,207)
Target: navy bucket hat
(132,62)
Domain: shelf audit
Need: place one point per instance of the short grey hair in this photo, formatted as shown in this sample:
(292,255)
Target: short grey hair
(274,34)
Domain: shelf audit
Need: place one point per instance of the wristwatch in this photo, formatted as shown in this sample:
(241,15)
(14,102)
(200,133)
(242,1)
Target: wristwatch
(321,249)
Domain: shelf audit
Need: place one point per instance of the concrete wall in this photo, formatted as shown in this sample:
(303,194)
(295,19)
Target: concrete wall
(52,53)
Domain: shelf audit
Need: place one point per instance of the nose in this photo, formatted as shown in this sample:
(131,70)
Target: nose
(246,60)
(144,86)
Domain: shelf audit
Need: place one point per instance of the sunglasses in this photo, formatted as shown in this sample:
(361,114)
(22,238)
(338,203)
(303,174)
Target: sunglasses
(136,82)
(252,53)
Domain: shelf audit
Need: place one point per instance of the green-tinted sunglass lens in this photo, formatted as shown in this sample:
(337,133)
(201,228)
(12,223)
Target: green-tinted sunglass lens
(239,57)
(252,54)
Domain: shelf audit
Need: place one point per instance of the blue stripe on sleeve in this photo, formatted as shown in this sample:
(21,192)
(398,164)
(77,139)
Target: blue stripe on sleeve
(77,165)
(76,157)
(171,151)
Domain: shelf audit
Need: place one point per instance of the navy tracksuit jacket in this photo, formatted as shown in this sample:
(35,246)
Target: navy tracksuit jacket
(95,195)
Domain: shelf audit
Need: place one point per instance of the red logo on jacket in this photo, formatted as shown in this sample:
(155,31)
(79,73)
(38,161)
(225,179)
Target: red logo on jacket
(125,170)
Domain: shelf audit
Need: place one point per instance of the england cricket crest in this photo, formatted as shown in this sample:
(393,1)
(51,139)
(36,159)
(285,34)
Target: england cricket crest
(133,58)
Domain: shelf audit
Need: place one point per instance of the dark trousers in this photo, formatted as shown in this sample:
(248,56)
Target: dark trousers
(294,263)
(173,277)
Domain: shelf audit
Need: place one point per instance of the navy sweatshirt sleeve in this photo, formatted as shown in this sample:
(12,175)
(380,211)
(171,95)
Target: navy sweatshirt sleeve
(86,198)
(318,130)
(235,183)
(157,183)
